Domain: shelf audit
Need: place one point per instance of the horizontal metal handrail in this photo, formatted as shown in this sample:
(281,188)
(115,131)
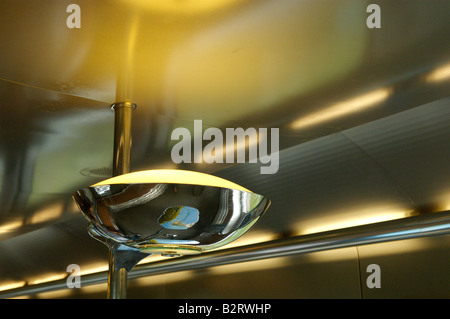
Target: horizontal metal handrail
(433,224)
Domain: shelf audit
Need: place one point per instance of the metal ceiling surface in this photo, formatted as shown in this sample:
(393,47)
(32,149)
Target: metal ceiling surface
(239,63)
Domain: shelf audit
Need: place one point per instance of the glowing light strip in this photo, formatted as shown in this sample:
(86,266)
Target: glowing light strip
(439,74)
(353,105)
(170,176)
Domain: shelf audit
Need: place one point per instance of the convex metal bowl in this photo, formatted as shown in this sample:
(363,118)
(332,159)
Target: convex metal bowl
(170,212)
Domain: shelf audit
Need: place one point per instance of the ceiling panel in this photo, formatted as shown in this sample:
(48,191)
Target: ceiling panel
(380,170)
(422,138)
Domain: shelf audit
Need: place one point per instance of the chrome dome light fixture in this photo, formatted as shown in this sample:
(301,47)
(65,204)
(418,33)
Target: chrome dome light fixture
(169,212)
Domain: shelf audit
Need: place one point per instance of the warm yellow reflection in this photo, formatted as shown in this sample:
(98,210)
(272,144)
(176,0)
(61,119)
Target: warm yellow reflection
(245,64)
(333,255)
(167,176)
(11,285)
(46,278)
(10,226)
(21,297)
(441,73)
(125,85)
(56,294)
(47,213)
(343,108)
(164,278)
(394,247)
(257,265)
(153,258)
(94,289)
(66,293)
(180,7)
(93,268)
(356,217)
(252,237)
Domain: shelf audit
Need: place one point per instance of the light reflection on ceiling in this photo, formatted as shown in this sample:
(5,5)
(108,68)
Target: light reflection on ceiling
(347,107)
(355,217)
(441,73)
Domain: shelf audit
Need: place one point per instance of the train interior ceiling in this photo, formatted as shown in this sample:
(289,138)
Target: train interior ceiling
(362,115)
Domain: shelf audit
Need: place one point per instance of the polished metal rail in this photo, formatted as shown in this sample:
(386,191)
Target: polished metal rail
(433,224)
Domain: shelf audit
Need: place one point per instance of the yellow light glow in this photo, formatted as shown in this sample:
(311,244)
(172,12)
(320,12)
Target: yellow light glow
(11,285)
(354,218)
(21,297)
(92,289)
(333,255)
(152,258)
(180,7)
(47,278)
(347,107)
(251,238)
(394,247)
(263,62)
(93,268)
(256,265)
(163,176)
(439,74)
(47,213)
(164,278)
(55,294)
(10,226)
(125,74)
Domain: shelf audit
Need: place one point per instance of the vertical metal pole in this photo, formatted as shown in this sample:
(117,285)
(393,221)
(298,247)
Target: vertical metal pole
(122,137)
(117,278)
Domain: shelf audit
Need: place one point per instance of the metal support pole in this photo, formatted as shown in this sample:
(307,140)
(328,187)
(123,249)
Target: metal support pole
(117,276)
(117,279)
(122,137)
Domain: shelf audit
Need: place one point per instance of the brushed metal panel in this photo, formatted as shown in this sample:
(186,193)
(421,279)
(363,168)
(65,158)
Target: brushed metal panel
(332,274)
(48,251)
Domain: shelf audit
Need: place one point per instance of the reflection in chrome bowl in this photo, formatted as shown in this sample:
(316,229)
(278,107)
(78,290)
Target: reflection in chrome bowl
(169,218)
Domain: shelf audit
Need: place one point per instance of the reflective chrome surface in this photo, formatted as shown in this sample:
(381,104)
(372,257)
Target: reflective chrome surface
(122,137)
(170,219)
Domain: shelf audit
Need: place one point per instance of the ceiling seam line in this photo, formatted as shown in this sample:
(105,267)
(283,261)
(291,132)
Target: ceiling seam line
(358,260)
(382,168)
(49,90)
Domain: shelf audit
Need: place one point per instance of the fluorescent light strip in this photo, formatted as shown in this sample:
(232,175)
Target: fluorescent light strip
(346,107)
(439,74)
